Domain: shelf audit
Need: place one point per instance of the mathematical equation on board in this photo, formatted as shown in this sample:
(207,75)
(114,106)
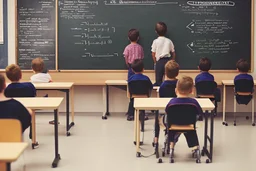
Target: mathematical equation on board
(211,46)
(207,26)
(93,55)
(36,33)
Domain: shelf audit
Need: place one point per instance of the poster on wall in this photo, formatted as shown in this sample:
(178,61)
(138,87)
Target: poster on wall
(1,23)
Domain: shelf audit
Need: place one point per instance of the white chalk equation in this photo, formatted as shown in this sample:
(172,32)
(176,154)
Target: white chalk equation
(207,26)
(134,2)
(211,46)
(99,42)
(93,55)
(95,36)
(211,3)
(84,2)
(87,23)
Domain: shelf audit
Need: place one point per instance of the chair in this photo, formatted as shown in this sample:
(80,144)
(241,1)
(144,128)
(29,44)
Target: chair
(168,91)
(243,95)
(181,118)
(11,131)
(208,89)
(139,89)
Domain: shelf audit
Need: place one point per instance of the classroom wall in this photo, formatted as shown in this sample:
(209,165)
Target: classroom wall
(90,98)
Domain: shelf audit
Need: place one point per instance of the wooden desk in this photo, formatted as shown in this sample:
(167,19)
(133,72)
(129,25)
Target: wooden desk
(42,103)
(10,152)
(106,93)
(160,104)
(66,87)
(227,83)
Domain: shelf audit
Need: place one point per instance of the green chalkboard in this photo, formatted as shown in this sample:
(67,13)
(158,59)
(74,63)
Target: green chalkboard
(93,34)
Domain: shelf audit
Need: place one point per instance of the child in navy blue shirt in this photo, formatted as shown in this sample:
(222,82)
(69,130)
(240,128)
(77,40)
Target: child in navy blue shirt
(16,88)
(12,109)
(171,72)
(138,68)
(183,90)
(243,67)
(205,65)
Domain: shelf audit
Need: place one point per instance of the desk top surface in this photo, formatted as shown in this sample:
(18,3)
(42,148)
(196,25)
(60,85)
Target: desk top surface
(160,103)
(10,152)
(41,102)
(231,82)
(52,85)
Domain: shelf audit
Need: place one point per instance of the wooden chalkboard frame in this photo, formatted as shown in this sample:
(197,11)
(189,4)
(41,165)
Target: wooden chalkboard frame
(123,71)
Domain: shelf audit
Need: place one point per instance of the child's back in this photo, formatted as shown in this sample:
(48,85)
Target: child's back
(204,67)
(243,68)
(41,75)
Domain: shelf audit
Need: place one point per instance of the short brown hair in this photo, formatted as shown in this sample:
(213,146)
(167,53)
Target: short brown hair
(137,65)
(161,28)
(205,64)
(242,65)
(2,83)
(38,64)
(133,35)
(13,72)
(172,69)
(185,85)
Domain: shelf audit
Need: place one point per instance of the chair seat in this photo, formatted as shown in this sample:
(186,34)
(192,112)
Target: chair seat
(244,93)
(139,96)
(210,96)
(182,127)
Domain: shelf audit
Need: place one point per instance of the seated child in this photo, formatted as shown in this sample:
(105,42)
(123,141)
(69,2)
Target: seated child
(167,89)
(12,109)
(243,68)
(133,51)
(205,65)
(184,88)
(16,88)
(41,75)
(138,68)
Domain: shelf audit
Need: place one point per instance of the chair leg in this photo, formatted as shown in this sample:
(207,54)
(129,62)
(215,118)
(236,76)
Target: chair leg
(142,120)
(234,110)
(215,110)
(253,124)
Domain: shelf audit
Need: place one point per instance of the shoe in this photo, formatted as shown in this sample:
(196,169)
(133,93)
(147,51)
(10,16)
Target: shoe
(130,118)
(52,122)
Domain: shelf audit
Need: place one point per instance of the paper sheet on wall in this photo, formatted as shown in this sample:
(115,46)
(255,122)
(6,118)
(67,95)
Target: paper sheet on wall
(1,23)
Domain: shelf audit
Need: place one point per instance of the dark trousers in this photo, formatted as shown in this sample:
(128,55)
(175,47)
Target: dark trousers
(191,137)
(131,109)
(130,72)
(160,70)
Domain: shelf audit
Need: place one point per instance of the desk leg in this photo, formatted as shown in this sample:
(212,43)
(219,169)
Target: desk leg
(224,106)
(104,117)
(56,136)
(72,105)
(211,136)
(204,151)
(8,166)
(68,126)
(33,124)
(138,154)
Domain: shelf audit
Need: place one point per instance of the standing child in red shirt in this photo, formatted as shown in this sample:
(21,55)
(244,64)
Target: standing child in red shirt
(133,51)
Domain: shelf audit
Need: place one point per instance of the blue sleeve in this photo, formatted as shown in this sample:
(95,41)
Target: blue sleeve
(199,109)
(197,78)
(23,116)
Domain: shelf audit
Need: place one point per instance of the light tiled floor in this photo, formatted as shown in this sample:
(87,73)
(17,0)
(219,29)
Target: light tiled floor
(101,145)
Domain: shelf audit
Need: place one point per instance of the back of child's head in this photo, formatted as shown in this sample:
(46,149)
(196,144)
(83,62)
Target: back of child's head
(243,66)
(161,28)
(133,35)
(172,69)
(37,65)
(185,85)
(205,64)
(2,83)
(137,66)
(13,72)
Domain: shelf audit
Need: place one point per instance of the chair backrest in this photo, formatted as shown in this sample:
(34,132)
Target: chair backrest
(168,91)
(19,92)
(140,87)
(181,114)
(206,88)
(244,85)
(11,130)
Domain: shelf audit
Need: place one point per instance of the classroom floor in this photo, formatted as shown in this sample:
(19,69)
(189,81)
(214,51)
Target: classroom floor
(99,145)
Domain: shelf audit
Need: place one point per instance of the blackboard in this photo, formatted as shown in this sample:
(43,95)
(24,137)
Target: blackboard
(93,34)
(36,32)
(4,44)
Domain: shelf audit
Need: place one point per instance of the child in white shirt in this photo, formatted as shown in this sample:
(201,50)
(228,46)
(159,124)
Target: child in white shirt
(41,75)
(162,51)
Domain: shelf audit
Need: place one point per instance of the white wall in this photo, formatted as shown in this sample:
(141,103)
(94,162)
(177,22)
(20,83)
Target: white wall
(90,98)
